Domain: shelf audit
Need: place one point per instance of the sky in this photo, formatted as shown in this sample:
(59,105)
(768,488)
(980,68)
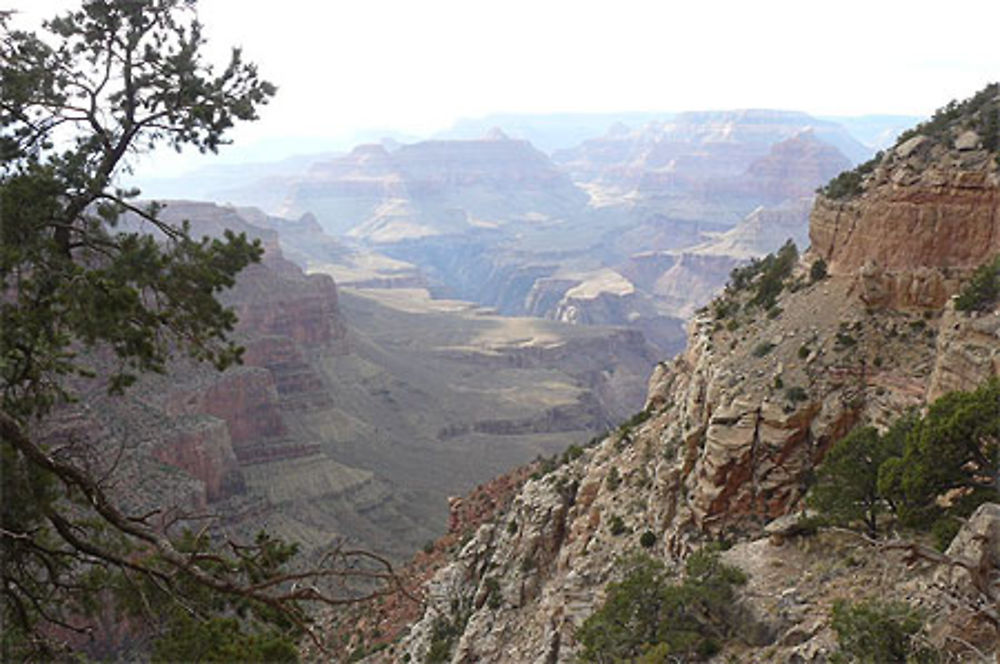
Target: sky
(417,66)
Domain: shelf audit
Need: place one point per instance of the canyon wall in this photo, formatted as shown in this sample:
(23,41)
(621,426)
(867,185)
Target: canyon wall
(927,218)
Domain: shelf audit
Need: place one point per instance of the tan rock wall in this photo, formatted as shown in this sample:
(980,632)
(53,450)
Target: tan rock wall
(910,243)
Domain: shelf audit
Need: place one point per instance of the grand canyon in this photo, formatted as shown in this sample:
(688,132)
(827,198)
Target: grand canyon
(716,384)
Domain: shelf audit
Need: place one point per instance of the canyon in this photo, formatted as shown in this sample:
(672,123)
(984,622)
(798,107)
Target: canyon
(356,413)
(734,427)
(495,221)
(427,316)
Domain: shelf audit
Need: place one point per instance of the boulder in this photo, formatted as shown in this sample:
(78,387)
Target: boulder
(968,140)
(910,146)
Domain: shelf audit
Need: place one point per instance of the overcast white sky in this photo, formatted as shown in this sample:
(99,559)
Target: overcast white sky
(417,65)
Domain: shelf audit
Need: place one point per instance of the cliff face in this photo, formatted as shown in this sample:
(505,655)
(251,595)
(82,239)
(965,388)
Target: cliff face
(303,308)
(240,442)
(928,216)
(739,421)
(202,447)
(244,398)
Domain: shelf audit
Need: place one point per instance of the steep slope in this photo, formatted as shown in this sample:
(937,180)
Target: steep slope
(682,279)
(735,426)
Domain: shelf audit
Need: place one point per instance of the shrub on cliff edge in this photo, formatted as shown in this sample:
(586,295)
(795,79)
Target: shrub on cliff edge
(645,613)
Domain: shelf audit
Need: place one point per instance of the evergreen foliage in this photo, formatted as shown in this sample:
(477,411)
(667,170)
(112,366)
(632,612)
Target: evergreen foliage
(846,489)
(817,271)
(100,84)
(950,462)
(982,290)
(645,615)
(847,184)
(928,471)
(990,130)
(764,277)
(980,111)
(878,633)
(953,111)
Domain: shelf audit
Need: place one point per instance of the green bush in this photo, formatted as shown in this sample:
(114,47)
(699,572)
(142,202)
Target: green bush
(443,635)
(796,393)
(990,129)
(817,272)
(634,421)
(493,596)
(647,539)
(616,526)
(645,615)
(845,340)
(764,277)
(982,289)
(777,268)
(946,116)
(724,308)
(846,489)
(762,349)
(572,453)
(848,183)
(872,632)
(221,640)
(613,479)
(953,450)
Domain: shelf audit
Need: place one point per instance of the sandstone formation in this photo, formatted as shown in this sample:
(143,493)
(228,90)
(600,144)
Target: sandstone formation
(201,446)
(928,217)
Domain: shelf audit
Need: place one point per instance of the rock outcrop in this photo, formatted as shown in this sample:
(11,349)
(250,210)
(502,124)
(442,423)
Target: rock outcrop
(929,215)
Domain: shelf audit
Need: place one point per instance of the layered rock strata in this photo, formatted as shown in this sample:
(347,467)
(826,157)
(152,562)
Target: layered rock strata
(930,214)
